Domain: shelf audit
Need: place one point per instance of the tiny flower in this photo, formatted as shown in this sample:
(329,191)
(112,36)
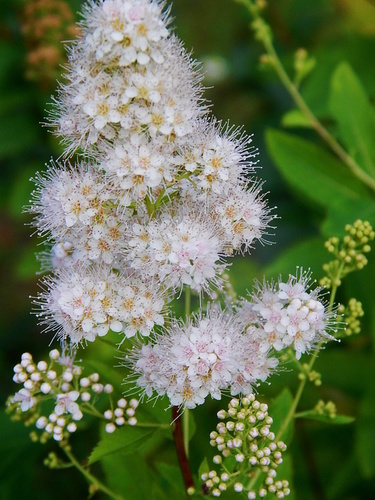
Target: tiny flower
(66,404)
(26,400)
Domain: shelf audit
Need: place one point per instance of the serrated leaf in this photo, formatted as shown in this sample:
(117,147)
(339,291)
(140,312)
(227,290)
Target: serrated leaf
(125,441)
(365,439)
(295,118)
(355,116)
(313,415)
(279,410)
(311,171)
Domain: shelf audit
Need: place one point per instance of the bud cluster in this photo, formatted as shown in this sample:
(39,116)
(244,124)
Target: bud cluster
(351,315)
(327,409)
(55,396)
(247,444)
(349,252)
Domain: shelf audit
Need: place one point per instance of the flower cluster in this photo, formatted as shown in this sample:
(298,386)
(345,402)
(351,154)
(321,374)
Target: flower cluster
(162,194)
(84,305)
(209,355)
(60,381)
(289,314)
(246,437)
(349,252)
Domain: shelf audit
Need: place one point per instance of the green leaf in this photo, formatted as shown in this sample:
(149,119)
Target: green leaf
(129,476)
(125,440)
(314,415)
(365,439)
(172,475)
(346,213)
(203,468)
(295,118)
(285,471)
(355,116)
(279,410)
(311,171)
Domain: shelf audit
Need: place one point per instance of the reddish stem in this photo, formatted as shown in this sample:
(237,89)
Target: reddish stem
(179,443)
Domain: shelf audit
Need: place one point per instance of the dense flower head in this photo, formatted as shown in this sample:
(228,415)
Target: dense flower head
(289,314)
(126,75)
(77,208)
(179,249)
(207,356)
(84,304)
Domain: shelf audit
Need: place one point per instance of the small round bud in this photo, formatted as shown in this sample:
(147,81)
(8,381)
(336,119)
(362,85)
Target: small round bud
(51,374)
(122,403)
(94,377)
(85,397)
(41,422)
(72,427)
(35,377)
(108,414)
(54,354)
(42,366)
(60,421)
(97,388)
(84,382)
(221,414)
(238,487)
(110,428)
(230,426)
(29,384)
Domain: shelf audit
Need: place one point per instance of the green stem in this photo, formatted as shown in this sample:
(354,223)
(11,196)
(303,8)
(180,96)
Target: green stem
(92,480)
(185,427)
(303,107)
(292,411)
(187,302)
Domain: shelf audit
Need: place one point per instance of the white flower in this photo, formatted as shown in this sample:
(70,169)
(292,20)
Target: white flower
(126,72)
(26,400)
(65,403)
(205,357)
(290,314)
(84,304)
(180,249)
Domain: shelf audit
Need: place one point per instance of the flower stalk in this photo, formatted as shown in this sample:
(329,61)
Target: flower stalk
(263,34)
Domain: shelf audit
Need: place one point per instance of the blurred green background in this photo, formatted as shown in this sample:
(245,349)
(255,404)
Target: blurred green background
(330,462)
